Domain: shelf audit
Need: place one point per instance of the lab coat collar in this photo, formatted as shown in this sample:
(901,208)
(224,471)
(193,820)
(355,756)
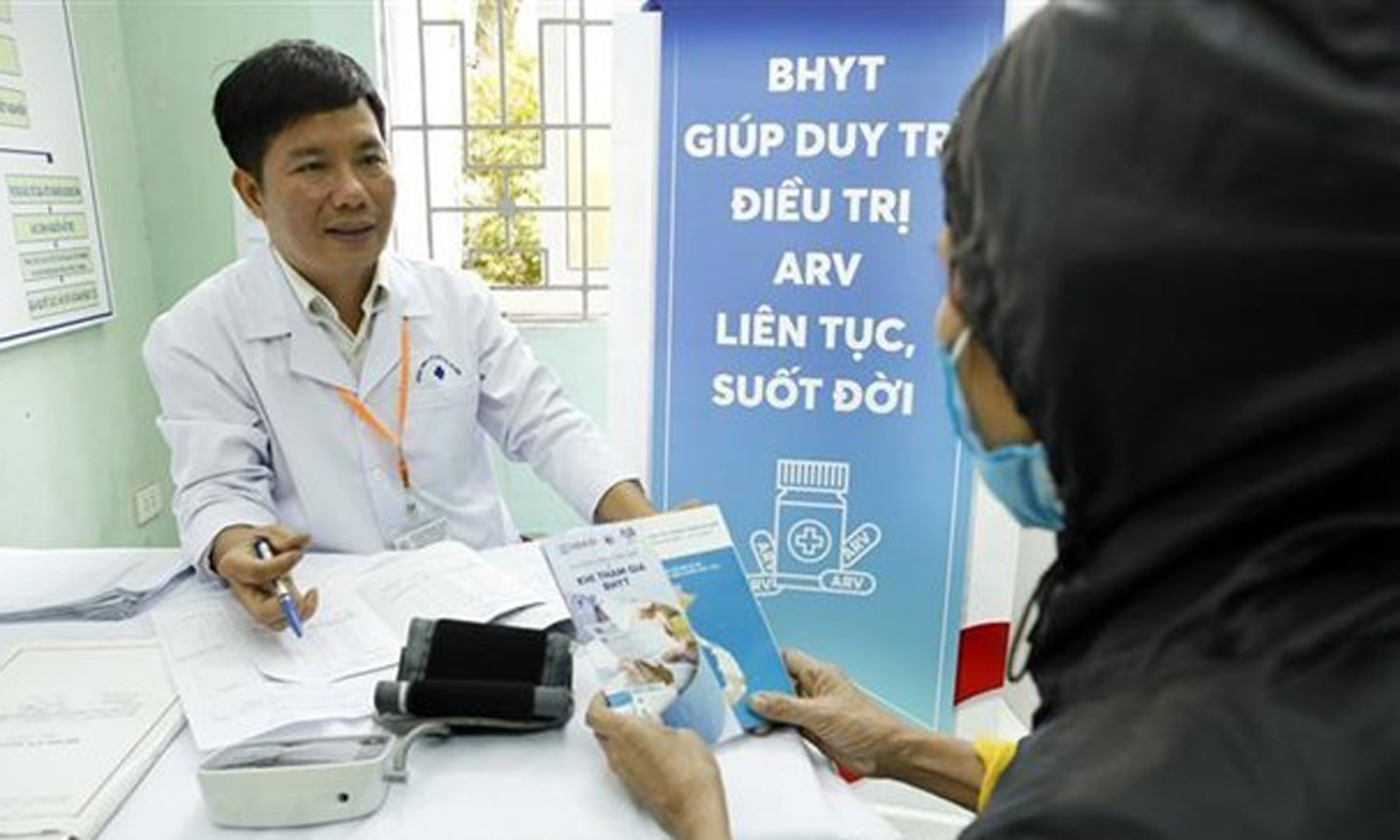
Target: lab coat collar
(406,301)
(271,311)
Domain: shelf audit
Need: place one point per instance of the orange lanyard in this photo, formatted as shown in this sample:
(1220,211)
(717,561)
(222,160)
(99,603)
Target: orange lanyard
(394,437)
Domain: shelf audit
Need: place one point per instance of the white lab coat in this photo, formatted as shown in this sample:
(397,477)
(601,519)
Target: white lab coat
(258,433)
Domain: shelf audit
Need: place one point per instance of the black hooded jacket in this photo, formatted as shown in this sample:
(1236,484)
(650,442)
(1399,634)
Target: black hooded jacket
(1177,226)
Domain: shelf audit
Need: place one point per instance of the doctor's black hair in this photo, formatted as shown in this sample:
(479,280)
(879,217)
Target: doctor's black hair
(280,84)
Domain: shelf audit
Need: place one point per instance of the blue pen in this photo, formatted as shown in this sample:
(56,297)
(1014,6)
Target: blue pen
(284,591)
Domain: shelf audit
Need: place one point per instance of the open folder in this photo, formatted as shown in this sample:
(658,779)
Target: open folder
(80,723)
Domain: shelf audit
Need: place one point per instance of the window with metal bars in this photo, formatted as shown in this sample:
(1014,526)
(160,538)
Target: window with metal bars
(500,129)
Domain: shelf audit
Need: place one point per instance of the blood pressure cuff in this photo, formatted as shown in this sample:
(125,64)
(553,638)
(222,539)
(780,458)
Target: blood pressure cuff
(480,677)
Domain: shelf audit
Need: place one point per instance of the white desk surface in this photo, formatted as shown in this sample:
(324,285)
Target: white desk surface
(542,785)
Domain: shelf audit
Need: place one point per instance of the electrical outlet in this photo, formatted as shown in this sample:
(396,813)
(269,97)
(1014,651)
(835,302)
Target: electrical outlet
(148,503)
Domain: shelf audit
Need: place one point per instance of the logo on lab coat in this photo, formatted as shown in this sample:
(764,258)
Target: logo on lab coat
(436,368)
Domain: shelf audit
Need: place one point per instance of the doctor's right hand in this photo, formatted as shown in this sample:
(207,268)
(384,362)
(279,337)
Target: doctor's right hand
(234,558)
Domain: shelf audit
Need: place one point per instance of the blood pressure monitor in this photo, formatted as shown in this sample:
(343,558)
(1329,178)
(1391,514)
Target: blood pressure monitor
(290,780)
(263,784)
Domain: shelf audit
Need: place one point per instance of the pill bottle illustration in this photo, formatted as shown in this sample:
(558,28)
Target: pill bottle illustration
(809,515)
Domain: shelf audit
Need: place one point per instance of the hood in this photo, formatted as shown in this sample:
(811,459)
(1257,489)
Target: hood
(1177,227)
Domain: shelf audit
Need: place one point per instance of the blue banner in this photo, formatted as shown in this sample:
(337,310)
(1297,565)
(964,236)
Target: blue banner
(797,382)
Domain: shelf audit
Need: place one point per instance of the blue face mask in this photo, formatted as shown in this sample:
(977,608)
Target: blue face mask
(1017,474)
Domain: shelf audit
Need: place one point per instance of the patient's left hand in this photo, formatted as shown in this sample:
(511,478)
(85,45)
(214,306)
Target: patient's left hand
(670,772)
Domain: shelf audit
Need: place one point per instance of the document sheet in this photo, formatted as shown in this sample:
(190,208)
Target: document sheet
(238,679)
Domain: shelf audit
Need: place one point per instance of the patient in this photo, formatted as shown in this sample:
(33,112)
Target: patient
(1174,253)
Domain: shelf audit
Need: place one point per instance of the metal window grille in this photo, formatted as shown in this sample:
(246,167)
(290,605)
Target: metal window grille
(500,121)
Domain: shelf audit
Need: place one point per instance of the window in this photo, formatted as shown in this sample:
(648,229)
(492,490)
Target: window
(500,126)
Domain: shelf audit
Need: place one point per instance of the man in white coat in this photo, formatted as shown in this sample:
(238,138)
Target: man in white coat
(327,390)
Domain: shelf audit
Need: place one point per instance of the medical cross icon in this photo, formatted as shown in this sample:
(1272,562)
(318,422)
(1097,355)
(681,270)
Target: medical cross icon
(811,547)
(809,540)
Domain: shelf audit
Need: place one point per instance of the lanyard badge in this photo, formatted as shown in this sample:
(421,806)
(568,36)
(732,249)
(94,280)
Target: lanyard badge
(430,530)
(421,531)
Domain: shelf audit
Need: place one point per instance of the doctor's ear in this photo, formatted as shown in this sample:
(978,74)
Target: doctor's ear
(249,190)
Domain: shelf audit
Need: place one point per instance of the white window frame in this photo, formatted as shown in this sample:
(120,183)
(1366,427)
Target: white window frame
(428,132)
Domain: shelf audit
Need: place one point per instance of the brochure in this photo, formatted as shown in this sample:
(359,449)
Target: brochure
(666,615)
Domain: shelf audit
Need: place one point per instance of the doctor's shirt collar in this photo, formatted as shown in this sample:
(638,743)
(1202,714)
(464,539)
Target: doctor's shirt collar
(319,307)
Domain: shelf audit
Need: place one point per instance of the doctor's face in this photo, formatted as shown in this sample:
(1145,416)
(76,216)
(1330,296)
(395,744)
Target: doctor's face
(326,195)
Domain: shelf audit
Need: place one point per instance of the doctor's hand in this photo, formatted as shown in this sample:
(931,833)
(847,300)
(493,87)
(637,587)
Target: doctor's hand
(670,772)
(624,500)
(234,558)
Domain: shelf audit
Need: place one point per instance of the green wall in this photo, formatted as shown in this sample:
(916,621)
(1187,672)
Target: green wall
(77,432)
(177,53)
(578,354)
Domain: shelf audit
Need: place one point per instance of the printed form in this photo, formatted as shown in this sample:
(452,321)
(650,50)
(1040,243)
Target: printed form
(237,679)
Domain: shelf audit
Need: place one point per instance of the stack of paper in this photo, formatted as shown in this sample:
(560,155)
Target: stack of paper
(84,585)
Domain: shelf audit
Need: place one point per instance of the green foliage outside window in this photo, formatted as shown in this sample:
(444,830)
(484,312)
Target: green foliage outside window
(501,169)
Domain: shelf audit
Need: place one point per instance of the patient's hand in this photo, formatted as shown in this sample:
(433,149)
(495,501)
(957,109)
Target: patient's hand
(834,714)
(670,772)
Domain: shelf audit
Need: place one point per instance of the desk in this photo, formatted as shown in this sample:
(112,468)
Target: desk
(531,787)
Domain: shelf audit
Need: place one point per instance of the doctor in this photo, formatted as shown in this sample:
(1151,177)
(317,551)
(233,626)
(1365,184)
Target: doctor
(326,389)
